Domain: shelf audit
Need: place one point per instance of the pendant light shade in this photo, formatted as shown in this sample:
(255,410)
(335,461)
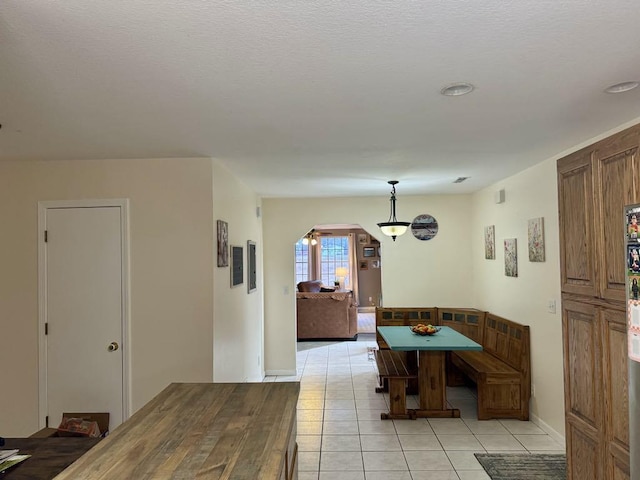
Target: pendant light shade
(393,228)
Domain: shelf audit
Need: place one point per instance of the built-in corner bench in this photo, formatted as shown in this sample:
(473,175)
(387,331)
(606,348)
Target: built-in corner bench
(501,371)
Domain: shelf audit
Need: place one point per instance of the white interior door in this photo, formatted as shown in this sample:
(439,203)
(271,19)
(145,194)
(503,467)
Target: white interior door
(84,312)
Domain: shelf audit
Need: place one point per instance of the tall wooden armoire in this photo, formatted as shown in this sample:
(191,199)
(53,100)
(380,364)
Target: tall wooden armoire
(594,184)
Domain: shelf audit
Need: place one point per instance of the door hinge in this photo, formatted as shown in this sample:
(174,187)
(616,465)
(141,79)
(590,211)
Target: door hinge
(46,236)
(46,328)
(46,421)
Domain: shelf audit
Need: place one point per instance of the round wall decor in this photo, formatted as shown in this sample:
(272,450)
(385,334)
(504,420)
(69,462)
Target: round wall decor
(424,227)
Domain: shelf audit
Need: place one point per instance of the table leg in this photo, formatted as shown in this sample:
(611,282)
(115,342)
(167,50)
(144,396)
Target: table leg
(397,400)
(432,386)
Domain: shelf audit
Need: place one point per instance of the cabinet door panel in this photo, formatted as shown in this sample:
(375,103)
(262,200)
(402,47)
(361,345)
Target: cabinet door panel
(620,473)
(583,455)
(576,214)
(618,465)
(616,378)
(583,384)
(616,188)
(616,394)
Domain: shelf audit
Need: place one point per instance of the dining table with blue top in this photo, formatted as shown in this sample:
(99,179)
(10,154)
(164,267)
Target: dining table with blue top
(431,354)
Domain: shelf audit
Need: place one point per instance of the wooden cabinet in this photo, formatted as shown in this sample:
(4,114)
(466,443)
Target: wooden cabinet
(594,184)
(616,185)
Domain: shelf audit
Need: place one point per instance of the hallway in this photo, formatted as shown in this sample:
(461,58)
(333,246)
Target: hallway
(366,322)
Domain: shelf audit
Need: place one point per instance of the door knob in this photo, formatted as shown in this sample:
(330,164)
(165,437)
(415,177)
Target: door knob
(113,346)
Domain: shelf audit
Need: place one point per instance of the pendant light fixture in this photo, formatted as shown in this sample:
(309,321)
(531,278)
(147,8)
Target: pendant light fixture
(393,227)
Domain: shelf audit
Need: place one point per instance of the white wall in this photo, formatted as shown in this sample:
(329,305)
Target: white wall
(524,299)
(414,273)
(238,316)
(171,271)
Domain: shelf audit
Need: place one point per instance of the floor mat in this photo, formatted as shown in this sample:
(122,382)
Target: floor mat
(512,466)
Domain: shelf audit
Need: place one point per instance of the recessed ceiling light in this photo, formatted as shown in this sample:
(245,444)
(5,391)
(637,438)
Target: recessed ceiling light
(621,87)
(456,89)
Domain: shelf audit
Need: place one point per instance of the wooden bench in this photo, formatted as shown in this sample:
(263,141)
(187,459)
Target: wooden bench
(393,369)
(405,316)
(501,371)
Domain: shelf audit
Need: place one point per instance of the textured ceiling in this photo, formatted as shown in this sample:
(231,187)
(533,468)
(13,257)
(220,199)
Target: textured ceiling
(317,98)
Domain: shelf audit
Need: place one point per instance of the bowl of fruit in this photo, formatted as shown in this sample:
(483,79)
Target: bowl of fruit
(422,329)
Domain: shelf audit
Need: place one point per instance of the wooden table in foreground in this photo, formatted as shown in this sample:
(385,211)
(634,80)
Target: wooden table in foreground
(202,430)
(431,364)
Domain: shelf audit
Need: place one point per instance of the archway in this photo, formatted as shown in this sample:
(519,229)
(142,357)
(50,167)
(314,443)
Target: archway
(344,257)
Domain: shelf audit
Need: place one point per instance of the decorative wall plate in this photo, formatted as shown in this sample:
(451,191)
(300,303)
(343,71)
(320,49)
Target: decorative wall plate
(424,227)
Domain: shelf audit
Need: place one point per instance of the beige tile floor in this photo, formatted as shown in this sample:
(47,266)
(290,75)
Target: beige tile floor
(341,435)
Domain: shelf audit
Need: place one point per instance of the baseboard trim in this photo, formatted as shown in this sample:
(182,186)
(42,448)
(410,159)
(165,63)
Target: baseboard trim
(550,431)
(281,373)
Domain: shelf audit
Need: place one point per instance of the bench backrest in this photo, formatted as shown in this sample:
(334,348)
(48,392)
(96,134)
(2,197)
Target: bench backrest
(467,321)
(508,341)
(392,316)
(504,339)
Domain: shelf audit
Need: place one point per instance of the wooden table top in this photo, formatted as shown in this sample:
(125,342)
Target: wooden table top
(49,456)
(199,430)
(402,338)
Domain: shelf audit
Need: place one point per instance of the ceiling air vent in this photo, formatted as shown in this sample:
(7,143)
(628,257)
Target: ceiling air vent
(460,179)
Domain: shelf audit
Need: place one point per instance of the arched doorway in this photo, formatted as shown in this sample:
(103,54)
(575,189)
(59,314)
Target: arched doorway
(344,257)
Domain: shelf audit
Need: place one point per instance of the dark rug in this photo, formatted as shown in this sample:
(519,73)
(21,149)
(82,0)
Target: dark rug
(516,466)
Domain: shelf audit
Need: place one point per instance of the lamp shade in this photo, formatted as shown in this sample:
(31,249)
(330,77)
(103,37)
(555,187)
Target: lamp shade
(341,272)
(394,229)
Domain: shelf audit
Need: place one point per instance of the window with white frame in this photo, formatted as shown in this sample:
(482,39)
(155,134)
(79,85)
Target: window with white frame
(334,253)
(302,262)
(320,260)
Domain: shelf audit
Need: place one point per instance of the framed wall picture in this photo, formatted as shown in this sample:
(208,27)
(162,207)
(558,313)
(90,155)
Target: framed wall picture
(490,242)
(369,252)
(363,238)
(237,266)
(364,264)
(536,239)
(252,269)
(223,247)
(511,257)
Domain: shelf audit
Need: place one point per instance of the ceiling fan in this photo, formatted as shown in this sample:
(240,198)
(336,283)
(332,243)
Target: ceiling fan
(310,237)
